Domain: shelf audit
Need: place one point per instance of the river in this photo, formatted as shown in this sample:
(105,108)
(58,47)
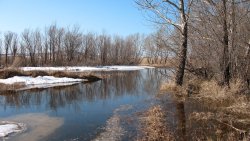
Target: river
(83,111)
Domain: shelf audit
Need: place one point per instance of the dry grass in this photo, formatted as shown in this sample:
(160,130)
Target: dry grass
(231,105)
(210,93)
(37,73)
(10,88)
(11,72)
(225,129)
(154,126)
(18,62)
(169,63)
(7,73)
(222,96)
(169,86)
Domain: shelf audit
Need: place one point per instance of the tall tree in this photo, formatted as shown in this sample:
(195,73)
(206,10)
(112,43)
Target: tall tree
(174,13)
(8,37)
(219,35)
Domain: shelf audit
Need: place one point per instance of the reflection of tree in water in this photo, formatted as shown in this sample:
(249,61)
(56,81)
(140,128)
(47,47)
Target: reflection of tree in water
(181,121)
(119,84)
(206,125)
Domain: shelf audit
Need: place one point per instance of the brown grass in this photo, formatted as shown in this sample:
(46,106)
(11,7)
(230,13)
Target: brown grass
(7,73)
(37,73)
(11,72)
(225,129)
(154,126)
(222,96)
(169,86)
(10,88)
(18,62)
(169,63)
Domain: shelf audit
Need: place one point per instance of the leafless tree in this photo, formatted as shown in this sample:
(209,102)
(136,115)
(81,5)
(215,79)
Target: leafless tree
(32,41)
(60,46)
(8,38)
(219,37)
(14,47)
(72,43)
(174,14)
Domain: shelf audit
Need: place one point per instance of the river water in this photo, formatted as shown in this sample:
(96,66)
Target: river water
(83,111)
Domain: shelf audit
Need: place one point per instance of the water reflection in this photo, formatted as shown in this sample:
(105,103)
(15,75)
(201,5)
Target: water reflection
(190,120)
(85,108)
(181,123)
(119,84)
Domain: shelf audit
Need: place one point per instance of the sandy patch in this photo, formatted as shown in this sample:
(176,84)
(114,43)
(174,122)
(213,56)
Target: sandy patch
(39,126)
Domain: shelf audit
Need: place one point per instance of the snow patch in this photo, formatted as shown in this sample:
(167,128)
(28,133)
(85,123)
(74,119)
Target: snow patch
(40,81)
(7,128)
(28,80)
(84,68)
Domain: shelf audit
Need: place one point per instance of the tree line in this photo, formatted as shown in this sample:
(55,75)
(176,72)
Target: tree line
(58,46)
(210,38)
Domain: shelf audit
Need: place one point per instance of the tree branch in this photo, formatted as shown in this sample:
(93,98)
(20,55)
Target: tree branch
(173,4)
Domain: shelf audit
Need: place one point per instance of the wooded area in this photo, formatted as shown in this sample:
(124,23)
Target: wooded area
(59,46)
(210,38)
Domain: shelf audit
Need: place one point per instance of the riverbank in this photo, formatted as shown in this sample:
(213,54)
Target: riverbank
(23,78)
(219,112)
(12,80)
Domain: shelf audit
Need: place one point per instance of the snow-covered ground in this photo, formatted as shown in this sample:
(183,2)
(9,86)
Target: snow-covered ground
(40,81)
(84,68)
(7,128)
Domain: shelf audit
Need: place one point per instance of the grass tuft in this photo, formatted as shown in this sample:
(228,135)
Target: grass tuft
(154,126)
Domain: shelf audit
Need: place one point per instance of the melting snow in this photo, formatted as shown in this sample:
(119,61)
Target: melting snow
(40,81)
(7,128)
(81,69)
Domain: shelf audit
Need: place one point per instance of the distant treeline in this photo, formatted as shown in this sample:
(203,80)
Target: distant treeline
(60,46)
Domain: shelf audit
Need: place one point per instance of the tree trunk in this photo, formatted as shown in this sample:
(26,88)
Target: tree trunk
(6,57)
(183,52)
(226,63)
(182,57)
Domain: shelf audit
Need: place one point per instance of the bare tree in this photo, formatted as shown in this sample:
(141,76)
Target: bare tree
(219,35)
(8,37)
(32,41)
(72,43)
(57,46)
(175,14)
(14,47)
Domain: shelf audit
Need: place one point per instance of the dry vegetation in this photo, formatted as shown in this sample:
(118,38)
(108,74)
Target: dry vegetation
(7,73)
(227,107)
(234,100)
(154,126)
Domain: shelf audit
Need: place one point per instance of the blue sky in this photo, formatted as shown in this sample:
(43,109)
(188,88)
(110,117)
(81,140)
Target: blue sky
(120,17)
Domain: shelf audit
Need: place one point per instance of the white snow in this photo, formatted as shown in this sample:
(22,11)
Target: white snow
(84,68)
(7,128)
(51,81)
(40,81)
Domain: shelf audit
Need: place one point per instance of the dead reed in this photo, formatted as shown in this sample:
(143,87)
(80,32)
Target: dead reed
(154,126)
